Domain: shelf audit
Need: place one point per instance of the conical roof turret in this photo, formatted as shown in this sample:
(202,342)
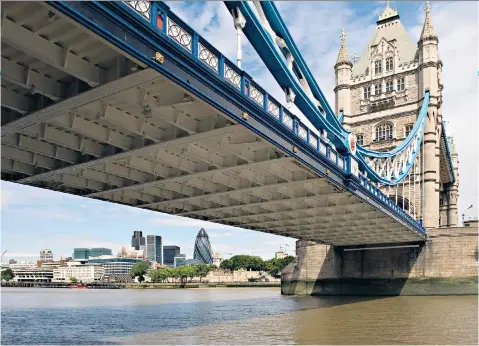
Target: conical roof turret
(343,56)
(428,30)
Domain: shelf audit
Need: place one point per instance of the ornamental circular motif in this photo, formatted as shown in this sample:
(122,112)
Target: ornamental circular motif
(352,143)
(174,30)
(185,39)
(143,6)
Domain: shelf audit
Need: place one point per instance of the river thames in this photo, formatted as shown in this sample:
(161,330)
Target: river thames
(230,316)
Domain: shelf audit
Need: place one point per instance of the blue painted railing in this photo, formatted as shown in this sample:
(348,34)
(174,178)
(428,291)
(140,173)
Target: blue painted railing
(164,21)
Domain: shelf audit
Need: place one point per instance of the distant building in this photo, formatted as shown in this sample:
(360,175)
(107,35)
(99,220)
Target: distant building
(202,250)
(32,275)
(86,253)
(169,253)
(12,261)
(192,261)
(82,272)
(46,255)
(179,261)
(154,248)
(471,223)
(280,254)
(138,241)
(217,259)
(114,265)
(130,252)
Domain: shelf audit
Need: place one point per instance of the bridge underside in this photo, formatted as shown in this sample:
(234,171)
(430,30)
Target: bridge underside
(81,117)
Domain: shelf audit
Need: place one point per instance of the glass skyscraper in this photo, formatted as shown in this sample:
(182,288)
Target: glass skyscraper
(169,254)
(85,253)
(202,249)
(154,248)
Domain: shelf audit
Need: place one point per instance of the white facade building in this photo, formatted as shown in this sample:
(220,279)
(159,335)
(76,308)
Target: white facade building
(82,272)
(217,259)
(46,255)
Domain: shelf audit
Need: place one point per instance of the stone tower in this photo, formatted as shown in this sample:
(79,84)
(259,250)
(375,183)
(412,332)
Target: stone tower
(381,95)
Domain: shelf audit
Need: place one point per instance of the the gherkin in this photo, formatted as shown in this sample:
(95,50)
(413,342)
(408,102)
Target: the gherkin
(202,251)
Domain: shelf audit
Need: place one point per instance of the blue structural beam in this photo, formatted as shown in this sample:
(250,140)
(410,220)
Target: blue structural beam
(148,41)
(271,39)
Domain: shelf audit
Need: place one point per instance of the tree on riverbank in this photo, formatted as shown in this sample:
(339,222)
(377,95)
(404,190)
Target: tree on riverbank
(139,269)
(7,274)
(183,273)
(274,266)
(243,262)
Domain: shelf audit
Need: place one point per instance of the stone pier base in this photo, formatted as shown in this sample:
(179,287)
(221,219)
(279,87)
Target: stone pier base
(445,265)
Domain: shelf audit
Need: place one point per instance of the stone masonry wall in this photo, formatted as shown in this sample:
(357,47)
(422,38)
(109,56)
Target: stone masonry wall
(449,254)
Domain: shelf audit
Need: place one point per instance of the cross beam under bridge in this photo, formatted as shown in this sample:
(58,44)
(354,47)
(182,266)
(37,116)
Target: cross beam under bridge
(168,134)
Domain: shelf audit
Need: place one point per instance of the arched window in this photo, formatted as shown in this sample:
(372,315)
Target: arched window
(360,138)
(389,64)
(378,67)
(384,132)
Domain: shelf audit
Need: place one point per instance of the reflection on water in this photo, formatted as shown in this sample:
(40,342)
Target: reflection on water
(231,316)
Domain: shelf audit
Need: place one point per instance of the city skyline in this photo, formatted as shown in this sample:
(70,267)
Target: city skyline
(61,222)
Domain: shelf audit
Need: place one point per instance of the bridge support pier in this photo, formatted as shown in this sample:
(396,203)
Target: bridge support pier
(445,265)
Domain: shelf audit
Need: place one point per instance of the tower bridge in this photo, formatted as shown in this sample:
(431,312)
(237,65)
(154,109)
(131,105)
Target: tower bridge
(124,102)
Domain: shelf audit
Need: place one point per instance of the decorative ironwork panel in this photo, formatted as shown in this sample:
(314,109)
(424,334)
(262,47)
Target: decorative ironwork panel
(257,95)
(313,141)
(288,120)
(273,109)
(232,76)
(142,7)
(207,57)
(302,132)
(178,34)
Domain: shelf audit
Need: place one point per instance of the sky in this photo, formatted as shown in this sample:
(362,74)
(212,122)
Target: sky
(33,219)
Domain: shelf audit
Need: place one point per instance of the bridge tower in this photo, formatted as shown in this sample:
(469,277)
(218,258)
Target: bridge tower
(381,95)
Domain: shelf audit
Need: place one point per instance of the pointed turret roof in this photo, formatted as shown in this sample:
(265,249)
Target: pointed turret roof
(389,28)
(428,30)
(343,56)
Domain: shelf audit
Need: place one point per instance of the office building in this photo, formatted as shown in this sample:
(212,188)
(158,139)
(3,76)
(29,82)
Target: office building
(138,241)
(32,275)
(82,272)
(169,254)
(179,261)
(114,265)
(86,253)
(154,248)
(202,250)
(46,255)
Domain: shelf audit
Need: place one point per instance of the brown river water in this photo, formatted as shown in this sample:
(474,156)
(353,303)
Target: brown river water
(231,316)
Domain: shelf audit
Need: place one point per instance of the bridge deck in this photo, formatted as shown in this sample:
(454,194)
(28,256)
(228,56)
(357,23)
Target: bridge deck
(82,116)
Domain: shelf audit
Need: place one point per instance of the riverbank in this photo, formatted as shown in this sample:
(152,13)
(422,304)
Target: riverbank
(202,285)
(147,285)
